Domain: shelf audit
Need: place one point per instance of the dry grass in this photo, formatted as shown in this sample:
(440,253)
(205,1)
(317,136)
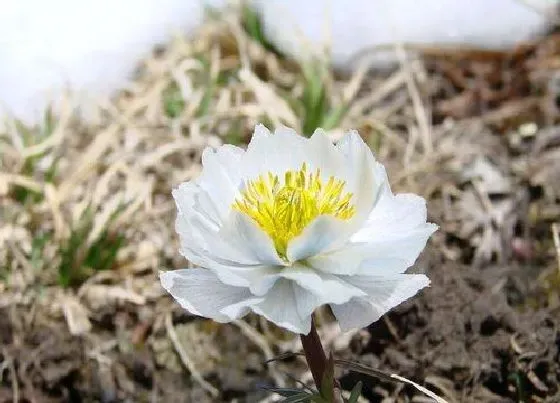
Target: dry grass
(87,217)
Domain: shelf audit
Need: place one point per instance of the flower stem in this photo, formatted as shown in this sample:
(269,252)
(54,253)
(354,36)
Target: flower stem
(314,354)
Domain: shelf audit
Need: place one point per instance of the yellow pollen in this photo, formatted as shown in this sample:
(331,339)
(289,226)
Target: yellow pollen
(284,209)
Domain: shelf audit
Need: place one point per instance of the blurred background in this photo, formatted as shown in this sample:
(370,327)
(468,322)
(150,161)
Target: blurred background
(106,106)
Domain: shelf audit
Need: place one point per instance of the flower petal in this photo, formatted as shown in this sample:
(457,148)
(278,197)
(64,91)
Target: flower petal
(363,175)
(396,214)
(390,240)
(343,261)
(236,243)
(321,233)
(395,257)
(235,270)
(375,258)
(405,233)
(384,293)
(363,178)
(199,233)
(200,292)
(203,244)
(328,288)
(322,153)
(277,153)
(246,237)
(286,150)
(220,178)
(289,306)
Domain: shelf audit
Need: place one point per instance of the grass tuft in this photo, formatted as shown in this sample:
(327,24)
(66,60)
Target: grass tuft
(251,22)
(79,258)
(315,107)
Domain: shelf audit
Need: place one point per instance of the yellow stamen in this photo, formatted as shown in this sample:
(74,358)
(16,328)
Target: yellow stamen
(283,209)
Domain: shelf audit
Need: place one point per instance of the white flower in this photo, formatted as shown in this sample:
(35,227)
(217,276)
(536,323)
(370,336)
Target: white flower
(292,224)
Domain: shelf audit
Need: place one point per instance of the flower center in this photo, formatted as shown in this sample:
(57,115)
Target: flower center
(283,210)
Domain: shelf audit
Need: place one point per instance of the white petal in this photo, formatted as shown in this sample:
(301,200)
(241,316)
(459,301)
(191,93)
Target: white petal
(237,253)
(200,292)
(343,261)
(364,176)
(396,255)
(198,232)
(364,179)
(246,237)
(380,257)
(252,277)
(237,243)
(322,153)
(261,133)
(220,177)
(203,237)
(306,303)
(396,214)
(405,233)
(277,153)
(390,240)
(289,306)
(355,314)
(241,308)
(319,235)
(328,288)
(286,150)
(384,293)
(189,201)
(214,253)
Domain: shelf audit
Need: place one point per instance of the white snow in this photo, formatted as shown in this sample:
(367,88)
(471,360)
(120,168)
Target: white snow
(92,46)
(353,26)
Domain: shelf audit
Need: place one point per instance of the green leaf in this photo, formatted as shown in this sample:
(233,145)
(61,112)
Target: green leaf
(37,246)
(327,384)
(356,393)
(314,97)
(252,24)
(78,260)
(173,102)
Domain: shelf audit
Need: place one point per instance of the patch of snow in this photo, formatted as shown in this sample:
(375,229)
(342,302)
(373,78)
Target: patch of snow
(91,47)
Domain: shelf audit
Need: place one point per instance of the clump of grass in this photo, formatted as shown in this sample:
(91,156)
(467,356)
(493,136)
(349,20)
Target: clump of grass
(251,22)
(315,107)
(81,257)
(173,102)
(314,98)
(210,85)
(38,245)
(207,78)
(30,137)
(519,381)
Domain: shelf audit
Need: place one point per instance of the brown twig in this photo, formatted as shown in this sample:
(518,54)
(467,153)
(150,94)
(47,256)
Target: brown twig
(556,238)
